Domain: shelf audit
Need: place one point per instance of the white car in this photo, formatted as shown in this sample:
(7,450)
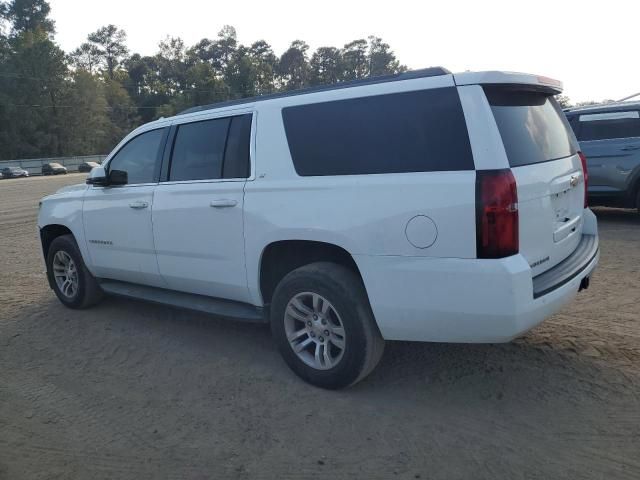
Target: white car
(424,206)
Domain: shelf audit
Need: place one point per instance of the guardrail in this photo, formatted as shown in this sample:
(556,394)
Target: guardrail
(34,165)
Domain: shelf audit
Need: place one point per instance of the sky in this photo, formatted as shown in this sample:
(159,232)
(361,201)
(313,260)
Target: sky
(592,46)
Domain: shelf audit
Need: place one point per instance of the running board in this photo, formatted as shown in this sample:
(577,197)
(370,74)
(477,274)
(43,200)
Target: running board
(189,301)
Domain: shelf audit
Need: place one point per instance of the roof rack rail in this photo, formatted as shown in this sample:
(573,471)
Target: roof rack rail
(411,74)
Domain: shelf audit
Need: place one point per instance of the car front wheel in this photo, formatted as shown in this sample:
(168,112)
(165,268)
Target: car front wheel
(322,323)
(72,283)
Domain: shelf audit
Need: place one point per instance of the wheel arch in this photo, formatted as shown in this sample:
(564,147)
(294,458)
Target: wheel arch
(49,233)
(280,257)
(634,188)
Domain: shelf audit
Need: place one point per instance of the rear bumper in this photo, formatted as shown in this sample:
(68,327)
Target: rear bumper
(568,269)
(466,300)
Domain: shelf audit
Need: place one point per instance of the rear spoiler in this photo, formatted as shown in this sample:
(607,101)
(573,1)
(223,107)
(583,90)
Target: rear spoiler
(538,82)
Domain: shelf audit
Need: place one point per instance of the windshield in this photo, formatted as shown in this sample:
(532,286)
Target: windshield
(532,126)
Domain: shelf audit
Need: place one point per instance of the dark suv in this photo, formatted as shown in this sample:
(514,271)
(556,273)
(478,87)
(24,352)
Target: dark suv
(609,136)
(53,168)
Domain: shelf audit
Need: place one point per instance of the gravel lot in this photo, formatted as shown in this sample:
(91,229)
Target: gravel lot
(132,390)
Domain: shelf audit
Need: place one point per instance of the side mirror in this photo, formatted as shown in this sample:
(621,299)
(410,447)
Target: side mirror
(98,177)
(118,177)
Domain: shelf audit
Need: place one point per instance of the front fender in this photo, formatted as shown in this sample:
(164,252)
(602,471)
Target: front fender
(64,208)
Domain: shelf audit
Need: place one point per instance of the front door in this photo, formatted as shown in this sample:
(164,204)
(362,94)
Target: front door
(198,211)
(117,219)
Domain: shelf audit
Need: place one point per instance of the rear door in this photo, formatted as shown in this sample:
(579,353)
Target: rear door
(198,209)
(543,156)
(611,142)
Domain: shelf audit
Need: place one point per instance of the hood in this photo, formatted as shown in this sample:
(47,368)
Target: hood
(71,188)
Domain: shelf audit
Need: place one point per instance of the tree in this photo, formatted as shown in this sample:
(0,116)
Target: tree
(201,52)
(110,44)
(30,117)
(264,62)
(382,60)
(121,112)
(355,61)
(293,69)
(564,101)
(326,66)
(170,62)
(84,102)
(223,49)
(86,125)
(28,15)
(86,57)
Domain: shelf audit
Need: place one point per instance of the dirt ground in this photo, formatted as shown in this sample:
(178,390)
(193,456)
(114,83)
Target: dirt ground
(129,390)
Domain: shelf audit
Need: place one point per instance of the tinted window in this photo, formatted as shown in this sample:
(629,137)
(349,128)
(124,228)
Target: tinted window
(140,157)
(236,158)
(402,132)
(532,126)
(608,125)
(198,150)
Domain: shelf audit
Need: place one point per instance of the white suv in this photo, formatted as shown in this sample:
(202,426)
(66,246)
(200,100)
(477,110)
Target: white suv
(424,206)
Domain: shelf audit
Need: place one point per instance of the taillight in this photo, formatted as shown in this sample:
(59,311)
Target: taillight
(585,174)
(496,214)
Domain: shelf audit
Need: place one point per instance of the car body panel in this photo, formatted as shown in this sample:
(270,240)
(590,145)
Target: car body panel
(200,243)
(613,163)
(65,208)
(435,292)
(119,235)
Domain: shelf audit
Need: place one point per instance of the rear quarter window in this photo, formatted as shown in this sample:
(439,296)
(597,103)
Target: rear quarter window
(532,126)
(421,131)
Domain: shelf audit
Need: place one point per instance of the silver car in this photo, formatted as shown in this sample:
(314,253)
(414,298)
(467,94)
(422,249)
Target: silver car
(609,136)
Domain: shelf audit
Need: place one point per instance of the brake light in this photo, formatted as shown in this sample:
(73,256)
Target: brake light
(496,214)
(585,174)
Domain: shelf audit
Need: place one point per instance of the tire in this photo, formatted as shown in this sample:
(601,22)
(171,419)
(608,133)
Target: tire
(341,293)
(638,200)
(87,292)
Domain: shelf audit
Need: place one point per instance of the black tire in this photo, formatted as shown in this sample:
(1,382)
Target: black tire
(343,288)
(638,200)
(88,291)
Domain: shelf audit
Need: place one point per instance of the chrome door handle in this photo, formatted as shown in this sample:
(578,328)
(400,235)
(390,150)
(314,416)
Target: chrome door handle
(223,202)
(139,205)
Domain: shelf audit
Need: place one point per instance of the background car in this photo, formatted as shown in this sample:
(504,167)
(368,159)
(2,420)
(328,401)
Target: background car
(53,169)
(14,172)
(609,136)
(87,166)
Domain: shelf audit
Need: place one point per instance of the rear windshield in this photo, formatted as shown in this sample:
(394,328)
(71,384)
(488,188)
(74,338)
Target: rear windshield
(532,125)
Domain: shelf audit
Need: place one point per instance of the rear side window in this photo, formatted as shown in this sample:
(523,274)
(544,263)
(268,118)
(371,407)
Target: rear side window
(198,150)
(603,126)
(212,149)
(532,126)
(419,131)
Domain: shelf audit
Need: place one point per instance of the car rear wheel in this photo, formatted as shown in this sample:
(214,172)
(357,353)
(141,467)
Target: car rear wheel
(72,283)
(322,323)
